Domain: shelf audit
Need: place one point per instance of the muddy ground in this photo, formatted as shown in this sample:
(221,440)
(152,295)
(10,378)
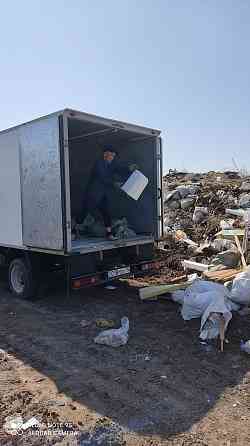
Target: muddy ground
(162,388)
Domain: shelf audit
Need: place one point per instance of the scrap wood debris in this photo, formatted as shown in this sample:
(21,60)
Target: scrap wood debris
(205,216)
(222,276)
(206,231)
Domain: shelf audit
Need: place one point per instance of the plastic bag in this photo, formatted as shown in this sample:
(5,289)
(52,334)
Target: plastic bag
(116,336)
(186,190)
(245,186)
(206,299)
(97,229)
(198,286)
(244,201)
(245,346)
(87,222)
(178,296)
(202,286)
(121,229)
(200,214)
(240,292)
(210,321)
(173,195)
(220,244)
(173,204)
(229,258)
(92,227)
(229,224)
(187,203)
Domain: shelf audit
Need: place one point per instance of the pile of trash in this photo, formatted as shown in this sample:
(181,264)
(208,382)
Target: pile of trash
(207,233)
(213,302)
(196,202)
(197,207)
(115,337)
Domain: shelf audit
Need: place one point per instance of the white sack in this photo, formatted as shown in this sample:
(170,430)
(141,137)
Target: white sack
(240,292)
(114,337)
(204,299)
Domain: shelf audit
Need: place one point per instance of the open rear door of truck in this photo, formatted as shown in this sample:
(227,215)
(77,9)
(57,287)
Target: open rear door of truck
(160,216)
(41,183)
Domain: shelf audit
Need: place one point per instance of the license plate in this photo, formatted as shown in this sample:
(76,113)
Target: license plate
(118,272)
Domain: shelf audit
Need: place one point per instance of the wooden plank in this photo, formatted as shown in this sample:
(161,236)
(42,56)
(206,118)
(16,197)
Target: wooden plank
(158,290)
(233,232)
(222,273)
(221,276)
(243,260)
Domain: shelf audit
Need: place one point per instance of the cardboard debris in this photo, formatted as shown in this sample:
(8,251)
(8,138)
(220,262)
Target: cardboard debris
(179,279)
(105,323)
(222,276)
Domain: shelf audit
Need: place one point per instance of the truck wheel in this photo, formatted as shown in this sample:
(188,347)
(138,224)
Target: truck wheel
(21,281)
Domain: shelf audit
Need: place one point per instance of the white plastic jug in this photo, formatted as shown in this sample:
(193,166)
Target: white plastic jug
(135,184)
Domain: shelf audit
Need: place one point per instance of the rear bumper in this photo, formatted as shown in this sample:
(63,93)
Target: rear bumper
(137,269)
(95,244)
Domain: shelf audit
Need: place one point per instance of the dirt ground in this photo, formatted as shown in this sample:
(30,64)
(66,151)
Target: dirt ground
(162,388)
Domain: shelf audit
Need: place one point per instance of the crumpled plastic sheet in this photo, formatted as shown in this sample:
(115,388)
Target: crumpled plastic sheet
(122,230)
(240,291)
(115,337)
(204,299)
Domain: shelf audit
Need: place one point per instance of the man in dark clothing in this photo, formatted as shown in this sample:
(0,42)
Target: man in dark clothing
(101,183)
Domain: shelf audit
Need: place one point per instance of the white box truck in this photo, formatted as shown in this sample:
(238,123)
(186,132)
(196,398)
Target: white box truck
(45,167)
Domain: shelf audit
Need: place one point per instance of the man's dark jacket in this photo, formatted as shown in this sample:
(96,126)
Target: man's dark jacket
(102,179)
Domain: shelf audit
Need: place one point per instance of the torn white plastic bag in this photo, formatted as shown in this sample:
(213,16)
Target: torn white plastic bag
(198,286)
(245,346)
(240,292)
(178,295)
(204,299)
(116,336)
(210,321)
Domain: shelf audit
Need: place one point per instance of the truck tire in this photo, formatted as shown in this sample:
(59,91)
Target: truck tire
(21,281)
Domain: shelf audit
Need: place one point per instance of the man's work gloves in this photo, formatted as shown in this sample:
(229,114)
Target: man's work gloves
(131,168)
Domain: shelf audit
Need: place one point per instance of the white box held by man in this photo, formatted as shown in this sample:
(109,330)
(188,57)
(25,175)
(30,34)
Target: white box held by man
(135,184)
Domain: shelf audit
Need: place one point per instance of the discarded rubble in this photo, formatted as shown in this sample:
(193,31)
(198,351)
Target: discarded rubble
(209,218)
(155,291)
(207,200)
(245,346)
(245,186)
(206,224)
(244,201)
(207,300)
(115,337)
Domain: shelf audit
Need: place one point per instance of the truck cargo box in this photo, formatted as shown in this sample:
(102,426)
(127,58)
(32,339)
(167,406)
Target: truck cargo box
(44,170)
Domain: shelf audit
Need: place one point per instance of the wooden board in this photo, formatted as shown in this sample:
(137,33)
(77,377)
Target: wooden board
(222,276)
(233,232)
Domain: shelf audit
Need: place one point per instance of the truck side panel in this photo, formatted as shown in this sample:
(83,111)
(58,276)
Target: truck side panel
(10,191)
(41,184)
